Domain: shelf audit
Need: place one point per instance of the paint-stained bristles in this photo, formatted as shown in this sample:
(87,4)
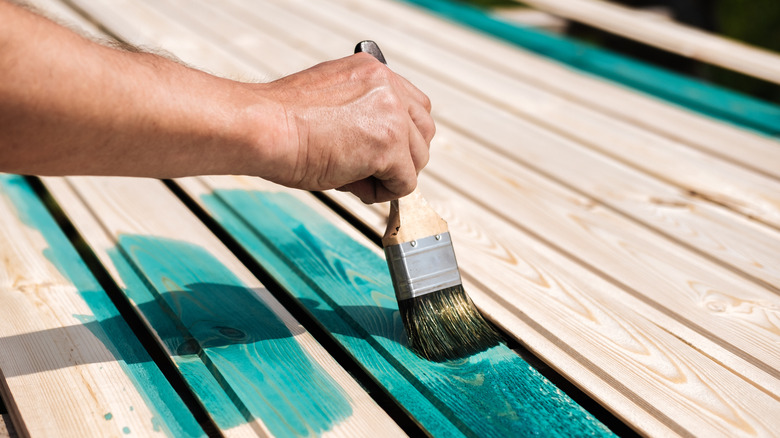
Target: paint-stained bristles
(445,325)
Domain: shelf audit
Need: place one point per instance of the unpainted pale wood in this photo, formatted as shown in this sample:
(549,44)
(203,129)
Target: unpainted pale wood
(754,151)
(411,218)
(58,11)
(668,35)
(383,47)
(609,343)
(752,194)
(716,231)
(290,55)
(688,287)
(69,365)
(145,209)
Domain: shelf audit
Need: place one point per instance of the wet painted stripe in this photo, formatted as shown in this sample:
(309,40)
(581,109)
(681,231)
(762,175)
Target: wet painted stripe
(347,288)
(170,413)
(256,365)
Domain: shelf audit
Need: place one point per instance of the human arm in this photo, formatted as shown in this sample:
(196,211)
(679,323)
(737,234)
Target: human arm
(72,106)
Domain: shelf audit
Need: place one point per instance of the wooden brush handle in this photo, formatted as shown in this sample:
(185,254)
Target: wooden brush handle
(411,218)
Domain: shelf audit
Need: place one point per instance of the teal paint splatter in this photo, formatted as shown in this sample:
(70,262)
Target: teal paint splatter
(247,348)
(126,430)
(347,287)
(106,324)
(108,416)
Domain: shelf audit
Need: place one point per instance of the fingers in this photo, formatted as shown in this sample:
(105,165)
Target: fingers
(371,190)
(419,148)
(400,178)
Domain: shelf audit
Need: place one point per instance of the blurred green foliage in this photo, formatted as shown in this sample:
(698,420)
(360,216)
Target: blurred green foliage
(756,22)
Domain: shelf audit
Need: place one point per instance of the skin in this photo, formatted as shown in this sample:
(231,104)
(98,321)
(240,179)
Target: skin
(71,106)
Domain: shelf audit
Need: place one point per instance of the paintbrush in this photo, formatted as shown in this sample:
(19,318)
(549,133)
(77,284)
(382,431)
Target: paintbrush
(440,319)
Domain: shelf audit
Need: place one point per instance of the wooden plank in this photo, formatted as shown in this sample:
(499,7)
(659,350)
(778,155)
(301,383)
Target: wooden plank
(226,37)
(344,282)
(708,228)
(545,326)
(668,35)
(671,279)
(718,233)
(709,99)
(6,427)
(73,367)
(755,151)
(748,254)
(719,181)
(253,366)
(611,344)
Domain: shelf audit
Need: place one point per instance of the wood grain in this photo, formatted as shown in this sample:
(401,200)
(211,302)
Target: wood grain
(702,225)
(698,391)
(714,179)
(717,102)
(412,218)
(755,151)
(613,345)
(489,394)
(71,366)
(667,35)
(259,359)
(691,289)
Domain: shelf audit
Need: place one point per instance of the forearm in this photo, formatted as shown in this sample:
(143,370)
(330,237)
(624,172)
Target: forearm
(71,106)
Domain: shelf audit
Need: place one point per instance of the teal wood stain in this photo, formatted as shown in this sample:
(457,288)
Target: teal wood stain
(246,347)
(712,100)
(185,349)
(347,287)
(169,412)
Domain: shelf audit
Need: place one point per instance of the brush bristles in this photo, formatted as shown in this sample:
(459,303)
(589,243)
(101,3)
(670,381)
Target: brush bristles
(445,325)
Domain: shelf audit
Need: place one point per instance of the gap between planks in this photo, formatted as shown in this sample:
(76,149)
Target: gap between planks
(668,35)
(146,211)
(717,227)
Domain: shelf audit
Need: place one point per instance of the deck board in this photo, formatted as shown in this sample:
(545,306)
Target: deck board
(626,242)
(70,346)
(712,229)
(259,372)
(627,227)
(755,151)
(342,280)
(746,192)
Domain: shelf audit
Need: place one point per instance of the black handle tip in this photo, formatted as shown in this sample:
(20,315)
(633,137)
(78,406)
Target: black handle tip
(372,49)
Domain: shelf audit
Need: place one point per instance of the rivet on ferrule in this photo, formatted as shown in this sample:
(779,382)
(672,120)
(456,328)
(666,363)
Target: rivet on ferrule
(422,266)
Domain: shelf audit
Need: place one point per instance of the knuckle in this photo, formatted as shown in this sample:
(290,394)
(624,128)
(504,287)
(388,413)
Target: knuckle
(426,102)
(406,187)
(425,156)
(429,131)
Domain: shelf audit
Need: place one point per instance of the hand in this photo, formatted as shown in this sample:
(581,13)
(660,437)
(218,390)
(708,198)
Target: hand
(354,125)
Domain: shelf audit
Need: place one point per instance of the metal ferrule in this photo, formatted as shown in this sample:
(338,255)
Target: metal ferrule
(422,266)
